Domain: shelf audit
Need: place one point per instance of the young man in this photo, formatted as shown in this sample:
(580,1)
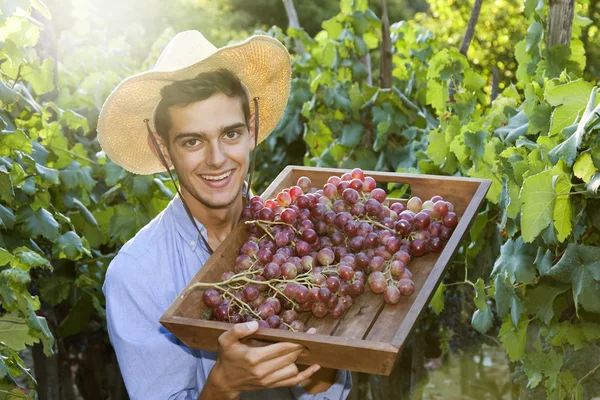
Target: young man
(192,115)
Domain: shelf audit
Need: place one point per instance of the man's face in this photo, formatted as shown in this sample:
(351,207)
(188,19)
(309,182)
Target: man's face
(209,146)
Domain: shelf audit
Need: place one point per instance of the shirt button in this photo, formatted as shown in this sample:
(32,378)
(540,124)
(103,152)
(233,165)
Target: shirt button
(192,243)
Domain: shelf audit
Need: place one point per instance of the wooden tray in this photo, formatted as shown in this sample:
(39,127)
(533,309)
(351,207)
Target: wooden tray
(371,333)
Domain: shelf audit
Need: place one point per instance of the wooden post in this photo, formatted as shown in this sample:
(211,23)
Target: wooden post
(471,27)
(293,22)
(385,65)
(560,22)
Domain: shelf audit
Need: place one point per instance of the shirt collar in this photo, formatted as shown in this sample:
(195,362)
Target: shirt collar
(184,225)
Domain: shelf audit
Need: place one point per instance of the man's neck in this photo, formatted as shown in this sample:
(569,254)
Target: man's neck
(218,222)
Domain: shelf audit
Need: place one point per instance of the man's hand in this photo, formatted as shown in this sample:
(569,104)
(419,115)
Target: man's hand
(240,367)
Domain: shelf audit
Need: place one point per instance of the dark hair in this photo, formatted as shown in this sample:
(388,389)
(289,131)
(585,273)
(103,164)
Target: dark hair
(202,87)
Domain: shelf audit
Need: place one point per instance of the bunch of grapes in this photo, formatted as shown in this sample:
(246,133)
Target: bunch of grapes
(317,250)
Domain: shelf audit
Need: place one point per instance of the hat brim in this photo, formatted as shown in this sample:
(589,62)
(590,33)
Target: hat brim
(262,63)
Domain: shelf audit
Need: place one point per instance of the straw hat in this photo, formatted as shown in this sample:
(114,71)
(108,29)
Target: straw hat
(260,62)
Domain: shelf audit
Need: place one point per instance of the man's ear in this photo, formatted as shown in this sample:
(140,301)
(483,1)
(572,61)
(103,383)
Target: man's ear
(161,147)
(251,126)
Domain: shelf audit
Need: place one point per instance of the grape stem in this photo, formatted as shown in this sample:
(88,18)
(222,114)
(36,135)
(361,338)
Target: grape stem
(259,223)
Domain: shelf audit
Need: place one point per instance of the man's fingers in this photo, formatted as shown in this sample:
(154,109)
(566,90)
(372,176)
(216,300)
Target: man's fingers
(271,366)
(237,332)
(302,377)
(275,350)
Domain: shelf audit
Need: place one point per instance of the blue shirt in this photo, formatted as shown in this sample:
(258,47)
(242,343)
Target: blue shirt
(141,282)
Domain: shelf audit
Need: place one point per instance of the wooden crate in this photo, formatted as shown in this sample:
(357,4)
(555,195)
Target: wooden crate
(371,333)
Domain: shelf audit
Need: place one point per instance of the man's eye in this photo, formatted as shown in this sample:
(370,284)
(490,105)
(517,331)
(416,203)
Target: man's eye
(232,134)
(191,143)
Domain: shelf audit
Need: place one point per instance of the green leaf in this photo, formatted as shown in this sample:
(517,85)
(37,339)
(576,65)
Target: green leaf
(38,223)
(7,95)
(437,96)
(567,150)
(584,167)
(5,257)
(514,338)
(517,258)
(329,54)
(54,289)
(540,300)
(69,246)
(14,141)
(476,141)
(437,301)
(76,176)
(480,295)
(507,300)
(351,134)
(580,266)
(14,332)
(78,318)
(16,276)
(7,218)
(539,364)
(333,27)
(562,214)
(569,99)
(29,258)
(537,195)
(534,35)
(49,175)
(6,189)
(593,186)
(482,320)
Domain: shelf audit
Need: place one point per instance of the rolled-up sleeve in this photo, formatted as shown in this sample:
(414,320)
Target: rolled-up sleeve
(154,365)
(338,391)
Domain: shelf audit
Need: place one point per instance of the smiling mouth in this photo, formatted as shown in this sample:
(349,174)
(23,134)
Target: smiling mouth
(214,178)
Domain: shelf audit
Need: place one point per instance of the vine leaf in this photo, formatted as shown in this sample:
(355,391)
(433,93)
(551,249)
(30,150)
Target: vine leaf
(569,99)
(38,223)
(580,266)
(517,259)
(584,167)
(14,332)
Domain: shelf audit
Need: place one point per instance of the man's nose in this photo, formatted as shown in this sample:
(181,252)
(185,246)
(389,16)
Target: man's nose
(216,156)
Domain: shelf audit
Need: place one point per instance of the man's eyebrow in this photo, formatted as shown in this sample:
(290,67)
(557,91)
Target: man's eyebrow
(200,135)
(233,126)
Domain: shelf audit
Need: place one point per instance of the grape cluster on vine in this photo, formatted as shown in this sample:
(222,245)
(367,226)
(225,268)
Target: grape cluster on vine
(317,250)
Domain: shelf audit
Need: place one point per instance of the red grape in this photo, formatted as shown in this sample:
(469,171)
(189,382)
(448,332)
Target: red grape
(330,190)
(358,173)
(436,245)
(440,209)
(347,176)
(211,298)
(334,180)
(378,194)
(356,184)
(377,263)
(345,272)
(350,196)
(284,199)
(406,287)
(414,204)
(391,295)
(435,199)
(304,183)
(301,294)
(368,184)
(289,216)
(378,285)
(266,214)
(418,247)
(450,220)
(421,221)
(325,256)
(319,310)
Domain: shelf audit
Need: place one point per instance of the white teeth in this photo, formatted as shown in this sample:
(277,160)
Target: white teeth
(216,178)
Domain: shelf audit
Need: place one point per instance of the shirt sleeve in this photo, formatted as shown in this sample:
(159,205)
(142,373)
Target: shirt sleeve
(338,391)
(153,363)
